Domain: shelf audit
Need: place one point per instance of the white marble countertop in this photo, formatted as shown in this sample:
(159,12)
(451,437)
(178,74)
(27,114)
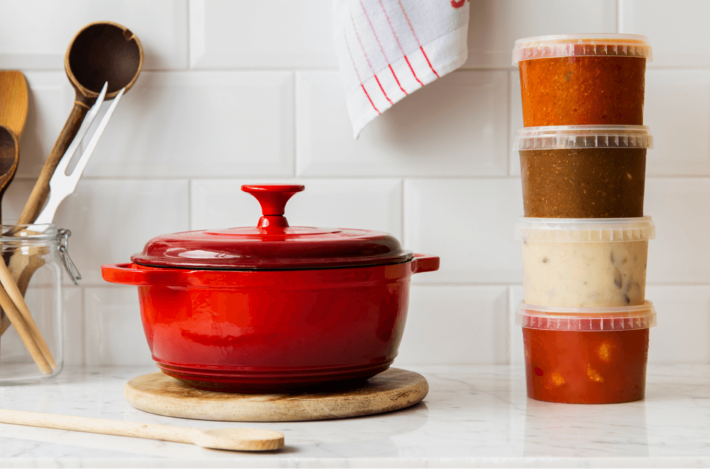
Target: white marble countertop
(473,416)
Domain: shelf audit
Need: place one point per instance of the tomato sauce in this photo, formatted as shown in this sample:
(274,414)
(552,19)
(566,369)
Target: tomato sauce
(586,366)
(580,90)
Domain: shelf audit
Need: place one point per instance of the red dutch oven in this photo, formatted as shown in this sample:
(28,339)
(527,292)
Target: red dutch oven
(272,307)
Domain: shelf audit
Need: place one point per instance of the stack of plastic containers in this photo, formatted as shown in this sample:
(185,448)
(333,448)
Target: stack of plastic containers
(584,235)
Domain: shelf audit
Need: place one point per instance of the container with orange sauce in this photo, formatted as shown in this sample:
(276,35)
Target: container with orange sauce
(578,79)
(586,355)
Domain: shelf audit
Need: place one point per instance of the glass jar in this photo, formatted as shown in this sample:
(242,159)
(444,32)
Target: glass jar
(35,256)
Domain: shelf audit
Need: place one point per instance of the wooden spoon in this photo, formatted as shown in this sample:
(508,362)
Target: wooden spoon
(223,439)
(9,156)
(101,52)
(13,101)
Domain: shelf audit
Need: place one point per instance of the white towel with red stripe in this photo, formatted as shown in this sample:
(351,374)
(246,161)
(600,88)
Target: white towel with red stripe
(388,49)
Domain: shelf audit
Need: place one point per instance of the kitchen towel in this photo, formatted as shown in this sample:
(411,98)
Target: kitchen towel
(388,49)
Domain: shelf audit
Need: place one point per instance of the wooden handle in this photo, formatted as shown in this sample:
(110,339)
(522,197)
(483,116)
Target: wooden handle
(22,329)
(4,323)
(16,296)
(100,426)
(22,266)
(40,192)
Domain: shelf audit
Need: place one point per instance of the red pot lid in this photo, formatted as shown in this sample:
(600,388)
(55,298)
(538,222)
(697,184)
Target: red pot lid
(272,244)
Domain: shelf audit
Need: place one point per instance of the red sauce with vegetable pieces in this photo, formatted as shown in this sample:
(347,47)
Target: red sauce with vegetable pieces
(586,366)
(582,90)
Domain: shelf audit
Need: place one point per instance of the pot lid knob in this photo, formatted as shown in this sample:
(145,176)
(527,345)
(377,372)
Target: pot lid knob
(273,199)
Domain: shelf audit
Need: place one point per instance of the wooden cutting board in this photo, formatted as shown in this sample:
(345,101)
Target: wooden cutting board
(391,390)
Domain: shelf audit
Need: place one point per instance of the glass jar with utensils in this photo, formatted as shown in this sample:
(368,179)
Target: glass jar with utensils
(34,256)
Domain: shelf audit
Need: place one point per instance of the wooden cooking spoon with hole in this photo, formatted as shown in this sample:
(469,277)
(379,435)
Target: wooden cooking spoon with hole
(101,52)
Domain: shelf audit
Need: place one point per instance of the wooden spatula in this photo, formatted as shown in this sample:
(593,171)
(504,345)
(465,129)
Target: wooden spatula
(13,101)
(13,114)
(223,439)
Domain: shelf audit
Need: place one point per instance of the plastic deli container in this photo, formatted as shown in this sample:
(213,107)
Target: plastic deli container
(584,262)
(586,355)
(582,78)
(583,171)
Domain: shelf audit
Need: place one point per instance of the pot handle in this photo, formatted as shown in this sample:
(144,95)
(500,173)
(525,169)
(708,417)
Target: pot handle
(134,275)
(424,263)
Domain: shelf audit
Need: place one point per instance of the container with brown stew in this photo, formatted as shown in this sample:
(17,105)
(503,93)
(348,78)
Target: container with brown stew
(583,171)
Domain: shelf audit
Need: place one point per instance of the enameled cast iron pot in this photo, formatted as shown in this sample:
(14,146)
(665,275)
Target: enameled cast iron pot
(272,307)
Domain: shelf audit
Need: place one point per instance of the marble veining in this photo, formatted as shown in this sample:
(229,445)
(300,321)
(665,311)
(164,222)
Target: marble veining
(473,416)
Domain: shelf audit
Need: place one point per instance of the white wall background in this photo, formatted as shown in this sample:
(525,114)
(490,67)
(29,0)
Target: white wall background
(247,91)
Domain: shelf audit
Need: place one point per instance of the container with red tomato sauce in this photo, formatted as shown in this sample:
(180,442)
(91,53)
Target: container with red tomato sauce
(586,355)
(577,79)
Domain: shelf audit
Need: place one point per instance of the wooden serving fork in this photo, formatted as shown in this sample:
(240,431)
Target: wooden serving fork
(61,185)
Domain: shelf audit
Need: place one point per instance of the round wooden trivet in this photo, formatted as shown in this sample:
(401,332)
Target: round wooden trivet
(391,390)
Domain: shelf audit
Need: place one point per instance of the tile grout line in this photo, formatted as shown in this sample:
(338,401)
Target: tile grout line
(508,130)
(189,204)
(341,177)
(82,302)
(84,336)
(618,16)
(405,239)
(294,159)
(189,38)
(262,69)
(508,285)
(508,326)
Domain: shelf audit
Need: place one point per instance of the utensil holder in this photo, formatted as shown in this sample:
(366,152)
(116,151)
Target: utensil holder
(35,254)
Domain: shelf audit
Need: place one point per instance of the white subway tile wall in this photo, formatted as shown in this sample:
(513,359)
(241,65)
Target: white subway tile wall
(34,34)
(239,92)
(495,25)
(434,132)
(201,124)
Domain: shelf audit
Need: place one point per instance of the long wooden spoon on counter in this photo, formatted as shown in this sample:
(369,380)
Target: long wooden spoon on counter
(222,439)
(101,52)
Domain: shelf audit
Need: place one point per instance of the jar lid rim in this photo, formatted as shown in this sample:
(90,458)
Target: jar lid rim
(11,231)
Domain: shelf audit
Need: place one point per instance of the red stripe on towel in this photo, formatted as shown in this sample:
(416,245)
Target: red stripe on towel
(397,80)
(427,61)
(347,44)
(357,35)
(368,97)
(413,72)
(382,49)
(396,38)
(417,38)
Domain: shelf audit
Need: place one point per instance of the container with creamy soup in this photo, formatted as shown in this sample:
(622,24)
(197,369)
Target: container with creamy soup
(584,262)
(586,355)
(573,79)
(583,171)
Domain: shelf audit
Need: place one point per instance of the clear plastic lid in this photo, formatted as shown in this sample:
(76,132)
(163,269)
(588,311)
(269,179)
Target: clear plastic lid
(636,317)
(583,137)
(582,45)
(585,230)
